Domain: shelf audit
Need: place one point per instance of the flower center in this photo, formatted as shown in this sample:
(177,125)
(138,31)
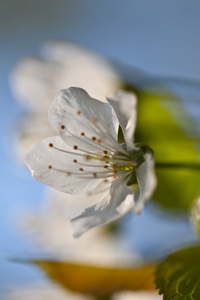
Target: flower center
(107,160)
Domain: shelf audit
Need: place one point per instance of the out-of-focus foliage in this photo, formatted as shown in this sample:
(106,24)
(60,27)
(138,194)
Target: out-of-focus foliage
(97,281)
(160,125)
(178,277)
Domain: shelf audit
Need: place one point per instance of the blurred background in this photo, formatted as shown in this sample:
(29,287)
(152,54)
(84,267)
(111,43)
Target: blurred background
(158,37)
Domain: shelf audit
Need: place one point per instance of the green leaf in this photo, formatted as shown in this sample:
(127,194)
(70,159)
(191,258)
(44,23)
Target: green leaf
(161,125)
(97,281)
(178,277)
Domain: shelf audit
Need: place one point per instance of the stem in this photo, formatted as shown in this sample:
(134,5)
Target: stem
(170,165)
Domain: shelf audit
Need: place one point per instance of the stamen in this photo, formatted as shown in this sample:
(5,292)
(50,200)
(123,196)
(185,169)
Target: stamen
(75,161)
(49,167)
(100,129)
(81,169)
(105,151)
(62,127)
(68,174)
(72,153)
(88,141)
(50,145)
(75,147)
(90,165)
(95,175)
(78,112)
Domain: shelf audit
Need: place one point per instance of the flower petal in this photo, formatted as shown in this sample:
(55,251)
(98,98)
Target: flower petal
(124,104)
(56,167)
(146,179)
(113,206)
(75,113)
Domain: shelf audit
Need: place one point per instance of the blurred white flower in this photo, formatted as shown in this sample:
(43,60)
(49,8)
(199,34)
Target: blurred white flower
(51,292)
(50,230)
(43,292)
(140,295)
(86,158)
(36,81)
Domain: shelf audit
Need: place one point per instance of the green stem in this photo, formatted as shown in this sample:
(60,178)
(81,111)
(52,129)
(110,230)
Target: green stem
(170,165)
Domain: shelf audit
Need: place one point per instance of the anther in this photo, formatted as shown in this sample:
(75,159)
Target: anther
(82,133)
(81,169)
(78,112)
(99,141)
(94,120)
(68,174)
(94,138)
(62,127)
(75,161)
(50,145)
(114,166)
(75,147)
(94,174)
(115,177)
(105,151)
(105,180)
(115,171)
(106,167)
(49,167)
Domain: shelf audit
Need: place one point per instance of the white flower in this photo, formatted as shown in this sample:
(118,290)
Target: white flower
(86,158)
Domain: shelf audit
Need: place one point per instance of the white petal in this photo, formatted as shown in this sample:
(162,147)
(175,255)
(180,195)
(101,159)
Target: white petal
(114,205)
(78,112)
(147,182)
(60,176)
(125,106)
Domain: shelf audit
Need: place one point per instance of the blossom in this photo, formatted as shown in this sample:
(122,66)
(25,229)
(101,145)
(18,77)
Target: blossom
(86,158)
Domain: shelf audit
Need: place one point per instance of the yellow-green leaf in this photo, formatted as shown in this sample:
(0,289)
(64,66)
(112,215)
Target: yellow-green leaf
(97,281)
